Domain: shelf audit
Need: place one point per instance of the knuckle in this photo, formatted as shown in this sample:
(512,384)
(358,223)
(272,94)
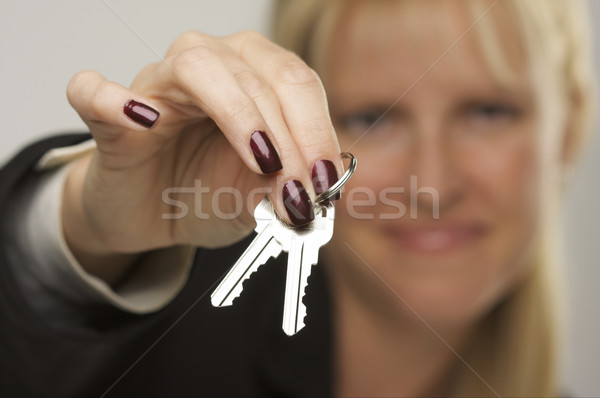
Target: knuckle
(188,39)
(294,71)
(252,35)
(250,83)
(192,59)
(249,40)
(318,128)
(248,37)
(235,109)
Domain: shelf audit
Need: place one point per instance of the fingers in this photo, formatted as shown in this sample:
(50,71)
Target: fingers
(268,104)
(293,192)
(248,113)
(302,102)
(96,99)
(201,72)
(121,121)
(264,85)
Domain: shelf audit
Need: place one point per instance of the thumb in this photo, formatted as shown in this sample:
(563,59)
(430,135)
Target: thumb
(118,118)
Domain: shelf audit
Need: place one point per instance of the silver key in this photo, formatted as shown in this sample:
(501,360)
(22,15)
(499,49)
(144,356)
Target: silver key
(274,235)
(263,247)
(303,253)
(302,245)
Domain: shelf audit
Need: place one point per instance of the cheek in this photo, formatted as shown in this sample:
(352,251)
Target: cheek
(506,179)
(504,186)
(500,185)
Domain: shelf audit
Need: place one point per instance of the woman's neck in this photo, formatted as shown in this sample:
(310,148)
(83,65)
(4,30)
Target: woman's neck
(379,355)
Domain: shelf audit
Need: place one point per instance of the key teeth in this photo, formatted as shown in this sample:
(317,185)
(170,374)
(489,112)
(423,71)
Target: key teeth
(302,313)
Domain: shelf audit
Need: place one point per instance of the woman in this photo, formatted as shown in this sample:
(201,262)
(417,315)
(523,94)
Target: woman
(490,120)
(462,116)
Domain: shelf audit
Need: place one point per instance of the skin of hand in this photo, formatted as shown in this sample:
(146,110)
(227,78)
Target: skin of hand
(212,95)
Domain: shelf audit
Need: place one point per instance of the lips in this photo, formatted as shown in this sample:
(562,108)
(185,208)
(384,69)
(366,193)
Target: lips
(435,238)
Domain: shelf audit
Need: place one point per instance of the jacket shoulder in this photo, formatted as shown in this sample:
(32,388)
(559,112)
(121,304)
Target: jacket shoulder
(24,161)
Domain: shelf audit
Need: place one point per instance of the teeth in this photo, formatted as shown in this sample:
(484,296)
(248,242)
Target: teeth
(232,285)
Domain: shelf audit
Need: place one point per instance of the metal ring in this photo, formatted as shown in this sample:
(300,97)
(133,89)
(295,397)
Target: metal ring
(335,188)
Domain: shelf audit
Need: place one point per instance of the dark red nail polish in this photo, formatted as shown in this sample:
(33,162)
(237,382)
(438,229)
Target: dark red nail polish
(141,113)
(324,175)
(297,203)
(264,152)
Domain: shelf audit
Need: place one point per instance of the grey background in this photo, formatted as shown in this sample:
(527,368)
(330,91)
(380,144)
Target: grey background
(44,43)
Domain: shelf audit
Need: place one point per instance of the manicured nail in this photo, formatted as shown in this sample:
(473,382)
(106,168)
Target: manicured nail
(141,113)
(297,203)
(264,152)
(324,175)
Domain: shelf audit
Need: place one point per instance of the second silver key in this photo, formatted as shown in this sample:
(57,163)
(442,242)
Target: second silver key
(263,247)
(303,247)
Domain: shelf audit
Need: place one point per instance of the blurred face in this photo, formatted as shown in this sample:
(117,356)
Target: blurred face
(444,203)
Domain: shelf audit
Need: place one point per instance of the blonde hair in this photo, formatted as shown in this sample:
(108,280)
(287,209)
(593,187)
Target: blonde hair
(515,346)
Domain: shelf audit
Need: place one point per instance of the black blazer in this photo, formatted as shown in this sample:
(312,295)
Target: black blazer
(187,348)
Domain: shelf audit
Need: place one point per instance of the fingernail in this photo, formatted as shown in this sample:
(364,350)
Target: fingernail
(141,113)
(264,152)
(324,175)
(297,203)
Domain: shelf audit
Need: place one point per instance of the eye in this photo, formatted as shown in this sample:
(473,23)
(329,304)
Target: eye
(491,112)
(372,124)
(361,121)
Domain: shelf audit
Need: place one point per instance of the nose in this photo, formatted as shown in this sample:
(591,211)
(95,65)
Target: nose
(435,178)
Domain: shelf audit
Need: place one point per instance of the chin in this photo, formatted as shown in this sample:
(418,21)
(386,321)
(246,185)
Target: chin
(447,274)
(447,302)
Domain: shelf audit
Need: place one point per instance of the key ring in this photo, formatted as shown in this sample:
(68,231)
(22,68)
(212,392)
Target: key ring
(335,188)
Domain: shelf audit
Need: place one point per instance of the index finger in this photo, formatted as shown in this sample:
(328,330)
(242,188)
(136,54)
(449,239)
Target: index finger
(303,104)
